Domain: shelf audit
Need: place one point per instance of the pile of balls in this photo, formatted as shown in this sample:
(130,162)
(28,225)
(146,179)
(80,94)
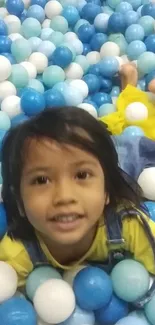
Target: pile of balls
(81,297)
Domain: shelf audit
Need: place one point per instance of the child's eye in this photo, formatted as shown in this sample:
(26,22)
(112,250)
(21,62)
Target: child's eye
(40,180)
(83,175)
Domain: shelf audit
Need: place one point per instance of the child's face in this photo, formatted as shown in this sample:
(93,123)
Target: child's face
(63,191)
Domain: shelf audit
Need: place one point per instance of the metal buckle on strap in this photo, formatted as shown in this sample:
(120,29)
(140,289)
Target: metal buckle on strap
(119,241)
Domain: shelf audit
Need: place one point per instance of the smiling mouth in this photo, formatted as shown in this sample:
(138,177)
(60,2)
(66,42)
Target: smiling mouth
(67,218)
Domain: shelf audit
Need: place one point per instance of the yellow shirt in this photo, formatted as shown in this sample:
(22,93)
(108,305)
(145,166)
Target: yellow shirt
(136,242)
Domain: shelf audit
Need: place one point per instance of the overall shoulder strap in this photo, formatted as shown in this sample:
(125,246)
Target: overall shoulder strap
(35,252)
(113,223)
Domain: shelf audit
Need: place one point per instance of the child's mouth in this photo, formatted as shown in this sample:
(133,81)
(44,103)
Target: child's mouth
(67,222)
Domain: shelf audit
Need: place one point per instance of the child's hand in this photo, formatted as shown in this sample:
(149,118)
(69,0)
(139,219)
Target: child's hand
(128,75)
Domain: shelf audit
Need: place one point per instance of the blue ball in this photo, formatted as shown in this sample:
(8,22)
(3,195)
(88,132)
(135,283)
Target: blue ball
(134,32)
(133,131)
(18,119)
(3,28)
(123,7)
(89,101)
(150,43)
(62,56)
(15,7)
(54,98)
(115,310)
(106,85)
(96,2)
(17,311)
(131,17)
(148,10)
(10,57)
(93,82)
(133,320)
(115,91)
(101,98)
(109,66)
(5,44)
(116,23)
(90,11)
(71,14)
(94,69)
(135,49)
(41,3)
(80,317)
(149,78)
(141,84)
(85,32)
(97,41)
(23,15)
(37,12)
(151,208)
(92,288)
(32,102)
(86,48)
(3,221)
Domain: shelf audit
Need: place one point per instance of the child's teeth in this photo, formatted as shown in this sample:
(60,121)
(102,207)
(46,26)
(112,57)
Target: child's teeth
(65,218)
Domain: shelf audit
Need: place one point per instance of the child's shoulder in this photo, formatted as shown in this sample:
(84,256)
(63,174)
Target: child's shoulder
(10,248)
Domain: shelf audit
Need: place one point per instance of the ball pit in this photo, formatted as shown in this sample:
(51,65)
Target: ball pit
(75,52)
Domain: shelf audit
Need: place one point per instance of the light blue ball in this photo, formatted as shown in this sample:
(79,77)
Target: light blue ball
(141,84)
(80,317)
(17,311)
(135,49)
(56,38)
(106,109)
(32,102)
(149,310)
(132,320)
(101,22)
(37,12)
(109,66)
(72,96)
(134,32)
(147,23)
(71,14)
(135,3)
(60,87)
(133,131)
(115,91)
(5,122)
(30,27)
(47,48)
(79,23)
(36,84)
(54,98)
(149,10)
(101,98)
(3,28)
(45,33)
(59,24)
(123,7)
(150,43)
(10,57)
(34,43)
(83,62)
(131,17)
(18,119)
(21,49)
(113,3)
(151,208)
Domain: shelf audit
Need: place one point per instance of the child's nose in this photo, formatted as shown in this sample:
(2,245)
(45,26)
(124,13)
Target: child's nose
(64,193)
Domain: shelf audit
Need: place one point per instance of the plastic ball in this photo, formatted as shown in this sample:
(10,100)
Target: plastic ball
(11,106)
(74,71)
(3,221)
(3,28)
(54,98)
(101,22)
(151,209)
(45,33)
(80,317)
(54,301)
(93,82)
(41,3)
(101,98)
(53,75)
(39,60)
(30,68)
(115,91)
(30,27)
(80,23)
(146,180)
(5,44)
(5,68)
(62,56)
(34,43)
(77,46)
(70,36)
(39,276)
(97,41)
(106,109)
(149,310)
(59,24)
(116,23)
(106,85)
(56,38)
(15,7)
(37,12)
(135,49)
(32,102)
(150,43)
(131,17)
(115,310)
(133,131)
(148,9)
(109,66)
(71,14)
(6,89)
(147,23)
(146,63)
(19,76)
(123,7)
(135,112)
(82,61)
(18,119)
(89,108)
(109,48)
(90,11)
(4,121)
(15,36)
(134,32)
(17,311)
(46,23)
(8,281)
(21,49)
(113,3)
(73,96)
(69,276)
(133,320)
(53,8)
(85,32)
(130,280)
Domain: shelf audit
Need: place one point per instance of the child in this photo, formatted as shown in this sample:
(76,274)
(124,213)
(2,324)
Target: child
(62,188)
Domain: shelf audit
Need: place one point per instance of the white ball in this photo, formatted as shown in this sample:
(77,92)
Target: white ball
(69,276)
(5,68)
(146,181)
(41,322)
(13,23)
(46,23)
(70,36)
(109,49)
(39,60)
(81,85)
(89,108)
(93,57)
(11,105)
(125,58)
(53,8)
(7,88)
(15,36)
(78,46)
(54,301)
(136,111)
(30,68)
(74,71)
(3,12)
(101,22)
(8,281)
(27,3)
(120,61)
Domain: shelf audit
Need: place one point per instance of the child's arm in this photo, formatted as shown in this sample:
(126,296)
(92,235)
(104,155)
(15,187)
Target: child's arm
(128,75)
(138,243)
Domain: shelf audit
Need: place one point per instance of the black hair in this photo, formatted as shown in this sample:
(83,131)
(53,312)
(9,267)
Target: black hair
(62,125)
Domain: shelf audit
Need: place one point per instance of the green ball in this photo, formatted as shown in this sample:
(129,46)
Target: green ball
(120,40)
(59,24)
(37,85)
(56,38)
(38,277)
(83,62)
(30,28)
(146,63)
(130,280)
(150,310)
(52,75)
(147,22)
(19,76)
(21,49)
